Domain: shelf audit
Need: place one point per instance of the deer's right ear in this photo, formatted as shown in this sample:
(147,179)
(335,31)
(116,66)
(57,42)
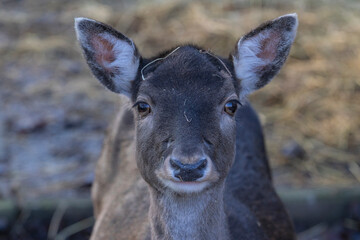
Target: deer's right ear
(111,56)
(261,53)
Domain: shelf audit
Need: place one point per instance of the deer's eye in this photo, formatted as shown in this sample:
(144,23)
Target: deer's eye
(143,108)
(231,107)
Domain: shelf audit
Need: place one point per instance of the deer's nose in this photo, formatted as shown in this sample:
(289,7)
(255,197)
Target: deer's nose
(188,172)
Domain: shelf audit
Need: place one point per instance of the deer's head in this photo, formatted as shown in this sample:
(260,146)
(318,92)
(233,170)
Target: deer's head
(185,100)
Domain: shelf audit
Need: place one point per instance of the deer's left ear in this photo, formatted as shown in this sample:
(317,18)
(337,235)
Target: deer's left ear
(260,54)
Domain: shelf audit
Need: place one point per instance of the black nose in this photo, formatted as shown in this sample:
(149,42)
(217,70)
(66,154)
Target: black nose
(188,172)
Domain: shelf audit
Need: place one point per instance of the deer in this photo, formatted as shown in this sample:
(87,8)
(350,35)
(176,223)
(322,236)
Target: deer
(185,157)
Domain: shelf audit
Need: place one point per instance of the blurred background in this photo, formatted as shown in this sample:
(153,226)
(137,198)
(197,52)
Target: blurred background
(54,114)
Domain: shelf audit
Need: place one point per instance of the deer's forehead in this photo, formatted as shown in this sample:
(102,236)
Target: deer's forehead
(189,70)
(195,86)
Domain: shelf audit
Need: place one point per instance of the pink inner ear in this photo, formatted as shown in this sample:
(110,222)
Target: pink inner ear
(269,47)
(104,54)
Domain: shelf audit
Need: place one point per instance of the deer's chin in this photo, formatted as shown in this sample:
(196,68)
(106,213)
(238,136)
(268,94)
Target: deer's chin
(185,187)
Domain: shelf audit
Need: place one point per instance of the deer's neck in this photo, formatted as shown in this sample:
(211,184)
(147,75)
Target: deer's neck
(199,216)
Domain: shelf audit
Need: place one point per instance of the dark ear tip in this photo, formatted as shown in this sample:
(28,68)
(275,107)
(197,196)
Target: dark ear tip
(289,19)
(81,22)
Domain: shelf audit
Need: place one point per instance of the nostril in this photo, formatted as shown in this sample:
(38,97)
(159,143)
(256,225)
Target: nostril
(175,164)
(202,164)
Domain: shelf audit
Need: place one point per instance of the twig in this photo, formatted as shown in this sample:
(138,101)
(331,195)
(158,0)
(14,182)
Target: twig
(75,228)
(312,232)
(56,220)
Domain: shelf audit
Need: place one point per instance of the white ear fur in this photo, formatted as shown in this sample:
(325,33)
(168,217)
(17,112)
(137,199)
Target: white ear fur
(261,53)
(125,59)
(112,57)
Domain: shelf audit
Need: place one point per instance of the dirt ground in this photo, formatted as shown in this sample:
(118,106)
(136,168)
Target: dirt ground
(54,113)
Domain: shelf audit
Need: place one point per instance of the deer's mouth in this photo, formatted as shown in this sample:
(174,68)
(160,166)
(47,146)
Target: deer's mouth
(186,187)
